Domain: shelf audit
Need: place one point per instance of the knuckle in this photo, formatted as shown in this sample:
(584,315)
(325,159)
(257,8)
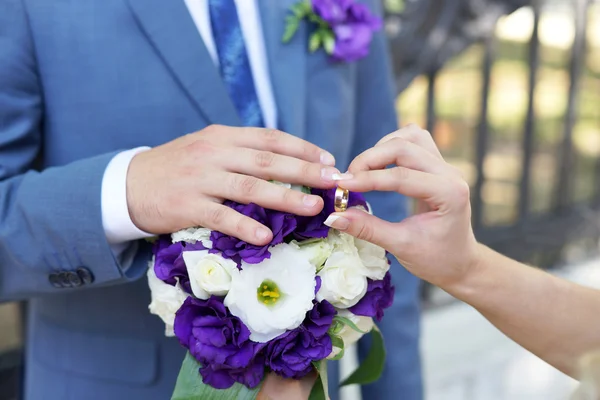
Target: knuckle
(400,145)
(307,151)
(462,192)
(201,147)
(211,130)
(216,215)
(245,186)
(271,136)
(240,227)
(364,232)
(288,196)
(400,173)
(309,170)
(264,159)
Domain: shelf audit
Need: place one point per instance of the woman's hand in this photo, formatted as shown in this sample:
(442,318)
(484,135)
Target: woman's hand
(437,245)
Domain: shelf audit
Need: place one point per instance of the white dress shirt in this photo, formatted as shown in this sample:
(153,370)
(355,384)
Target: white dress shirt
(118,227)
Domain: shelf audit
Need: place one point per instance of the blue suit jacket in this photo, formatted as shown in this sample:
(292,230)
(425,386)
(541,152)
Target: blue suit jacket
(81,80)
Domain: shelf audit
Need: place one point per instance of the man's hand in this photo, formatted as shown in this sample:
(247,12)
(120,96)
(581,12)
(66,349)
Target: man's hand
(183,183)
(278,388)
(437,245)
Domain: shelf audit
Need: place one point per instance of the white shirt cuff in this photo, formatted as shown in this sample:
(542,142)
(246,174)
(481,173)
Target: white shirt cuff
(118,227)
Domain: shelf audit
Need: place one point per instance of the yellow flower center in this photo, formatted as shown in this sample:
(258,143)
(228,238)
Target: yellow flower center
(268,293)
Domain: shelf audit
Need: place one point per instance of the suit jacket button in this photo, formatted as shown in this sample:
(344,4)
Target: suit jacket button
(74,279)
(55,280)
(85,275)
(64,279)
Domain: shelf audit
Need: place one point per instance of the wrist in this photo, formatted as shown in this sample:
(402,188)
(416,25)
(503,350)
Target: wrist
(470,282)
(132,192)
(116,220)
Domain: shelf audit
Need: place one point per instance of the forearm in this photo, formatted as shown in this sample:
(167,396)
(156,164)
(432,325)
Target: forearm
(51,223)
(555,319)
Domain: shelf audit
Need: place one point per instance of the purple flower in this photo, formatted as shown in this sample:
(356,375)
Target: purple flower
(314,227)
(291,354)
(281,224)
(353,25)
(379,296)
(319,319)
(169,265)
(220,342)
(332,11)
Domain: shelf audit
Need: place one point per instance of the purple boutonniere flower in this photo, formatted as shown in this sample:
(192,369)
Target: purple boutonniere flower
(344,28)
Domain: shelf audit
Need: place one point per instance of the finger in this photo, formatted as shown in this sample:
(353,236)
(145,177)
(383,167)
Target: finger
(278,388)
(248,189)
(414,134)
(228,221)
(369,228)
(272,166)
(399,152)
(428,187)
(278,142)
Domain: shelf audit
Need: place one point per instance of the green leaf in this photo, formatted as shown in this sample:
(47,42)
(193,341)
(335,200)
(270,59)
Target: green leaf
(189,386)
(290,28)
(349,324)
(336,327)
(315,41)
(338,342)
(306,190)
(151,239)
(372,367)
(320,390)
(329,42)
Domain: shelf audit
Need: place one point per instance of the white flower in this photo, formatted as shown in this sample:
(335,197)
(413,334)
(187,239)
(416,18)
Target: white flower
(165,300)
(317,251)
(275,295)
(282,184)
(209,273)
(349,335)
(343,280)
(298,188)
(342,242)
(373,258)
(193,235)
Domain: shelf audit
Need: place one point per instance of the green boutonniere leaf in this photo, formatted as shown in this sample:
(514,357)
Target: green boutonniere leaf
(323,35)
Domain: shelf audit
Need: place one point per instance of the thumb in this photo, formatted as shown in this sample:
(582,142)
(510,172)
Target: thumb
(365,226)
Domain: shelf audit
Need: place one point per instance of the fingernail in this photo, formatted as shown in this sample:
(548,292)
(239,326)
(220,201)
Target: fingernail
(262,234)
(343,177)
(327,158)
(328,173)
(337,222)
(310,201)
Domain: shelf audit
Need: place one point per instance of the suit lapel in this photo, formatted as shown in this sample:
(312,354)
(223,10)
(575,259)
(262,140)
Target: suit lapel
(171,30)
(287,65)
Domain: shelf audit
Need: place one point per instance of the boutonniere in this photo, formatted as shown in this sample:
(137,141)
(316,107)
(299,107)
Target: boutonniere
(343,28)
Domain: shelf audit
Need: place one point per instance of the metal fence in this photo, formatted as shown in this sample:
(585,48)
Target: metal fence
(426,34)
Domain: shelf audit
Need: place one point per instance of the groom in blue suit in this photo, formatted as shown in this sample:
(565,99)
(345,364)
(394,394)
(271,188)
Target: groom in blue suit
(96,97)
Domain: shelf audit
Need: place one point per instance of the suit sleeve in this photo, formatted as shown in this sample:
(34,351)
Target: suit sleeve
(51,232)
(376,117)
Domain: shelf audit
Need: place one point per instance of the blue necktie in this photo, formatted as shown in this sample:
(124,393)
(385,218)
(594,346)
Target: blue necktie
(233,61)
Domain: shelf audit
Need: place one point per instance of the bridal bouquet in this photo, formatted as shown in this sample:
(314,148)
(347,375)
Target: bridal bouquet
(287,307)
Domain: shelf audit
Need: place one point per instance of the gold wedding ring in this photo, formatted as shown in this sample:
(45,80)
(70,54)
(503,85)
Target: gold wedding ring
(341,199)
